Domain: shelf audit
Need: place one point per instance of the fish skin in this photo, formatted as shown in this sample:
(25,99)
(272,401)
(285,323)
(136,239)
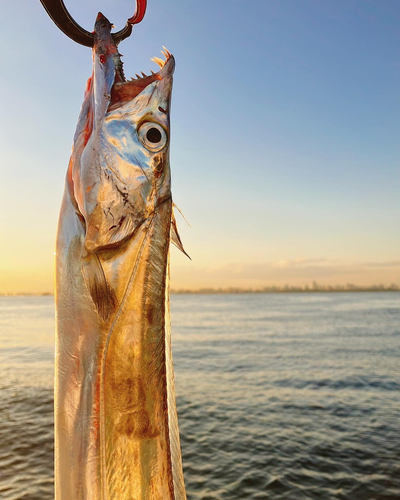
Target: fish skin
(116,430)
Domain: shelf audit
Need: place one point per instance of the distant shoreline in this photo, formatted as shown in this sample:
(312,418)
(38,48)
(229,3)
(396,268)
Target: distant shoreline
(288,289)
(274,289)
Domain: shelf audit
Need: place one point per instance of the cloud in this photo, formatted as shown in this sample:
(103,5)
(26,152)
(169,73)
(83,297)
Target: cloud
(298,262)
(379,265)
(292,272)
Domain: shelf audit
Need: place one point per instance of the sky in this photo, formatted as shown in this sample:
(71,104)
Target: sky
(284,141)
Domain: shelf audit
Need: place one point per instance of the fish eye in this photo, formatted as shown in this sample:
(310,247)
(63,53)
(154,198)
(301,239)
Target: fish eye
(153,136)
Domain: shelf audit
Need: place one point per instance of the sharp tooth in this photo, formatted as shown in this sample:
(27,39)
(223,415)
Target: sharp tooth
(144,75)
(164,54)
(167,51)
(159,61)
(138,76)
(152,72)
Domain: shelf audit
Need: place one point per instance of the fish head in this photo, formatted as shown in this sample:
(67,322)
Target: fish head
(120,169)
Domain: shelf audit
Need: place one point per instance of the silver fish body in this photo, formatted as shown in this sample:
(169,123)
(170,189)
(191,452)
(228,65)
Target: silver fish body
(116,429)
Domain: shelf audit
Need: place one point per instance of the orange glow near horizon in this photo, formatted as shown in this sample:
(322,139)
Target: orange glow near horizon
(22,278)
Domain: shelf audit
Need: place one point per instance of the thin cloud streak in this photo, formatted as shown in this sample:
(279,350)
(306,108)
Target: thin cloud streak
(292,272)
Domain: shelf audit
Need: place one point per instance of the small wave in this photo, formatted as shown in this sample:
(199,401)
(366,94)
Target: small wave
(357,383)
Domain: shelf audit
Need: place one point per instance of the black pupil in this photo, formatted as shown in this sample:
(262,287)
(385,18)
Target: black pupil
(153,135)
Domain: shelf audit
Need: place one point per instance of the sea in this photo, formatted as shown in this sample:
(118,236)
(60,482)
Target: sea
(280,396)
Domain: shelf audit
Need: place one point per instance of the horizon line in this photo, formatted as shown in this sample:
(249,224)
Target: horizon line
(349,287)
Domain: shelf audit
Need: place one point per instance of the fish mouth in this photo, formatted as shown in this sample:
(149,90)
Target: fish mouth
(124,90)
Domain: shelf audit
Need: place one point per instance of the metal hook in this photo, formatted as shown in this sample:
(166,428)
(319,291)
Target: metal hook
(63,19)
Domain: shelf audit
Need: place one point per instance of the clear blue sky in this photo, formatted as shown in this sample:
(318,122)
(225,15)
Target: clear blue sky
(285,136)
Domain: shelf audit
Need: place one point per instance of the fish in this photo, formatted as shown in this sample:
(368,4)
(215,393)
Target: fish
(116,424)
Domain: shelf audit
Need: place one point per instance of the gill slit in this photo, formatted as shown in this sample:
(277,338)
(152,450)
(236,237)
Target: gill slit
(102,367)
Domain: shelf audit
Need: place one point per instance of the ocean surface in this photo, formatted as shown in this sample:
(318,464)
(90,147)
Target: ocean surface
(280,396)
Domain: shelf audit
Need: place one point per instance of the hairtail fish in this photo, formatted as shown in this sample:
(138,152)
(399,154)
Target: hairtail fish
(116,427)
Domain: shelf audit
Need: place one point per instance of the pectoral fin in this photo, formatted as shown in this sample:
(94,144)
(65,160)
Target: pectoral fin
(102,294)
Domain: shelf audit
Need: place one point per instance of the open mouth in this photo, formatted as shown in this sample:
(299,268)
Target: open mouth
(122,90)
(125,90)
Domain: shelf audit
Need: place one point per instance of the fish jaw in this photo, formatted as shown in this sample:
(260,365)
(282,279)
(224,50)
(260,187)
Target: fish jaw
(106,60)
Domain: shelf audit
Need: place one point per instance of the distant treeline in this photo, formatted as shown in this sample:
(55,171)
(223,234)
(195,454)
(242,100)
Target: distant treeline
(315,287)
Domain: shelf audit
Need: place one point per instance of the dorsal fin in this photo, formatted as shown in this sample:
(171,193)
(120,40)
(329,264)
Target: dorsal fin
(180,211)
(175,238)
